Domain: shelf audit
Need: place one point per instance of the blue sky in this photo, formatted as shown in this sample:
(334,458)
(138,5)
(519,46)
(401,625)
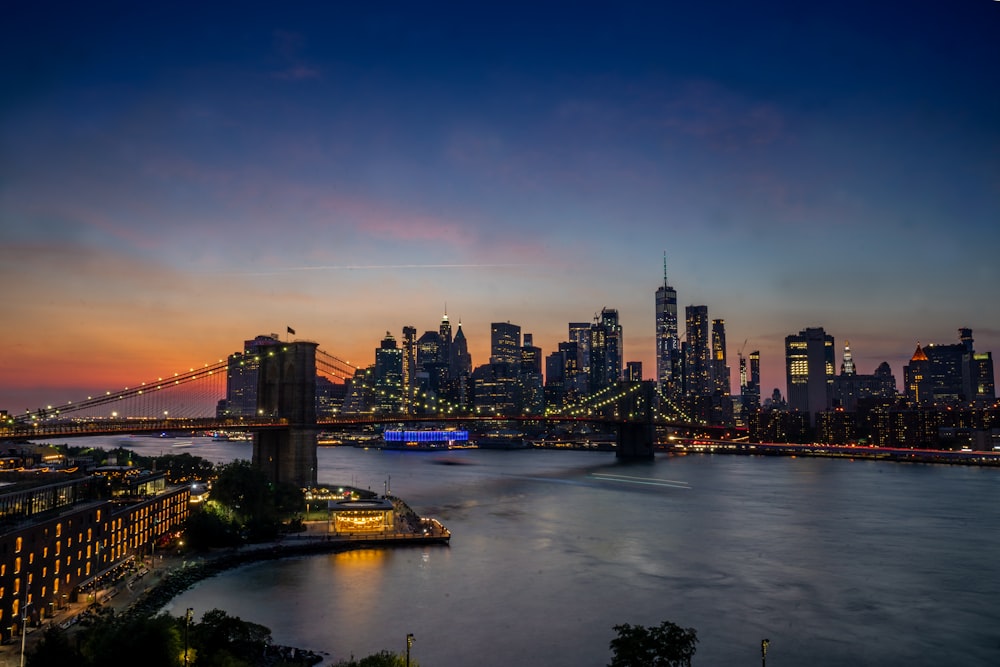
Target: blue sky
(175,179)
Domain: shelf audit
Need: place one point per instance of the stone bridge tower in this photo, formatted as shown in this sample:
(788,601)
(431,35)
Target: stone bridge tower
(636,433)
(286,390)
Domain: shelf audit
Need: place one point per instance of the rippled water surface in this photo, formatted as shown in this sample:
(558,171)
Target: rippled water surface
(837,562)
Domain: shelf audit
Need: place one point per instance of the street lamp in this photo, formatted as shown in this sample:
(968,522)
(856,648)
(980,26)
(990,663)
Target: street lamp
(187,624)
(24,630)
(409,643)
(764,643)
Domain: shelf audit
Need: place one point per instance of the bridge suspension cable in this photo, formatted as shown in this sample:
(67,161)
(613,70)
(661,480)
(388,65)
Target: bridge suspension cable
(335,366)
(180,395)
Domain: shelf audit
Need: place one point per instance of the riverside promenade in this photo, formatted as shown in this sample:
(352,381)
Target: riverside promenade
(156,581)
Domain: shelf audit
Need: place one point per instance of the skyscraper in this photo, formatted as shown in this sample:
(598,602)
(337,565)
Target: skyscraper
(241,377)
(847,365)
(720,367)
(409,367)
(722,403)
(461,369)
(809,368)
(851,387)
(530,376)
(505,343)
(605,343)
(667,340)
(579,333)
(616,344)
(753,386)
(444,330)
(699,352)
(388,376)
(950,374)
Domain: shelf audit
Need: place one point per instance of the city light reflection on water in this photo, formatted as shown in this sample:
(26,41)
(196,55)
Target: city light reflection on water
(835,561)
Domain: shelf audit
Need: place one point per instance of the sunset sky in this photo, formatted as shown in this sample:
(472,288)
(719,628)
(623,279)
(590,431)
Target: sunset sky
(178,177)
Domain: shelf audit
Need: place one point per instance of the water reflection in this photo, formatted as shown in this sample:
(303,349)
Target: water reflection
(836,562)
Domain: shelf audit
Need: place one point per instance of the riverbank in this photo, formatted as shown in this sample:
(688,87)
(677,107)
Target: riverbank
(156,582)
(180,579)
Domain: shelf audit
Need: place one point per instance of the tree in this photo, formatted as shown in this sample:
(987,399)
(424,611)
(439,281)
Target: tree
(381,659)
(207,527)
(667,645)
(256,505)
(54,650)
(221,639)
(125,640)
(182,468)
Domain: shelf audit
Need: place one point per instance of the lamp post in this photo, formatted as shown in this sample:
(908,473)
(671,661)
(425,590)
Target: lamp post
(764,643)
(409,643)
(24,630)
(187,624)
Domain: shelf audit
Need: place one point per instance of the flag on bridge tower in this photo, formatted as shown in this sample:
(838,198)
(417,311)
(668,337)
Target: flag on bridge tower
(291,331)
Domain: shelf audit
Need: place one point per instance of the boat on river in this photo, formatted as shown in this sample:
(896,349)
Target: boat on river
(423,440)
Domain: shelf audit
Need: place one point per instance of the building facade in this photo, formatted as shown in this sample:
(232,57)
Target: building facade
(59,542)
(809,370)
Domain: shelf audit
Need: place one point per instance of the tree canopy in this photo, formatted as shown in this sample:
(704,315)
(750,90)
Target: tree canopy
(218,640)
(666,645)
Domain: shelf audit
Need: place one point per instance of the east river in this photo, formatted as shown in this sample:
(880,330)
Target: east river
(836,562)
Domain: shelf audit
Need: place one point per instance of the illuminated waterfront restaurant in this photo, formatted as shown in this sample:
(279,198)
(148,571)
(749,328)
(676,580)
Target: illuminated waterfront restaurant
(376,515)
(60,541)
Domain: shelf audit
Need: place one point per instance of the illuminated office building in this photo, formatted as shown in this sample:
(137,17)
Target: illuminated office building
(605,343)
(532,389)
(809,370)
(505,343)
(579,333)
(950,374)
(667,338)
(748,401)
(241,378)
(698,352)
(409,367)
(720,367)
(388,376)
(461,369)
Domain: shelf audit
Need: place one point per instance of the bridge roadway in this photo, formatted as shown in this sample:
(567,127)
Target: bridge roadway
(54,428)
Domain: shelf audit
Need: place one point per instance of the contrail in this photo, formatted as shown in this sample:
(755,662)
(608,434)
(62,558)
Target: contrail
(361,267)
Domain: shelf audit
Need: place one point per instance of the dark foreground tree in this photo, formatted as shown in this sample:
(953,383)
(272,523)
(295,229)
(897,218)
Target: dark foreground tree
(54,649)
(667,645)
(380,659)
(105,639)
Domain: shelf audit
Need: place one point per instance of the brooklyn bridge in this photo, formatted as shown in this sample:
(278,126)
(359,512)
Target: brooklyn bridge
(286,422)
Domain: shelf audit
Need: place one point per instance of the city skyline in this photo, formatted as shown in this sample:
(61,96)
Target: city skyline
(172,184)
